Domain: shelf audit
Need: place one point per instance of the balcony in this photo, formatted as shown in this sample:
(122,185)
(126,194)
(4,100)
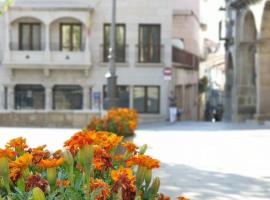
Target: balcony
(184,59)
(47,59)
(150,55)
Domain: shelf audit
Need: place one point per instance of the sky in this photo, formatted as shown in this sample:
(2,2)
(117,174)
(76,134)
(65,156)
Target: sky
(212,16)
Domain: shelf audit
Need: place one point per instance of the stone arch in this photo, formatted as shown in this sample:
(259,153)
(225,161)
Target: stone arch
(27,18)
(248,50)
(16,28)
(264,64)
(247,71)
(55,30)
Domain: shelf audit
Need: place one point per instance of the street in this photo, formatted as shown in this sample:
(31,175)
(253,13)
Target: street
(203,161)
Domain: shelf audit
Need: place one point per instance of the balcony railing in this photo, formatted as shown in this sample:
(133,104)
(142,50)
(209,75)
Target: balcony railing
(57,47)
(15,46)
(121,54)
(34,58)
(150,53)
(185,59)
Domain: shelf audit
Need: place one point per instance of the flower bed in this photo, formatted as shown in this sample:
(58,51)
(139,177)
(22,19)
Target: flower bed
(122,121)
(87,168)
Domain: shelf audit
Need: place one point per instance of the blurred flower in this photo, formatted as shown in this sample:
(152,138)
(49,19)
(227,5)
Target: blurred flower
(62,183)
(144,161)
(107,140)
(80,139)
(163,197)
(36,181)
(58,154)
(125,181)
(22,162)
(50,163)
(39,153)
(17,144)
(182,198)
(130,146)
(102,159)
(98,184)
(7,153)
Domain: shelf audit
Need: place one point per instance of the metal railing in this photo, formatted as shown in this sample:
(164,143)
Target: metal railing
(185,58)
(15,46)
(56,46)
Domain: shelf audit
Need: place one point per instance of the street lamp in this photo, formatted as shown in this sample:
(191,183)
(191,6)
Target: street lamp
(111,74)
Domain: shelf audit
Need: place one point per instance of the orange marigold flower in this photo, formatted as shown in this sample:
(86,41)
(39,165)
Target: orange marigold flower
(107,140)
(118,158)
(52,162)
(14,173)
(58,154)
(98,184)
(22,162)
(36,181)
(124,179)
(130,146)
(182,198)
(62,183)
(7,153)
(17,144)
(163,197)
(78,140)
(144,161)
(117,174)
(102,159)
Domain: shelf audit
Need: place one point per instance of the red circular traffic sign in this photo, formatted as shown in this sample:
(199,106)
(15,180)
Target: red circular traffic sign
(167,71)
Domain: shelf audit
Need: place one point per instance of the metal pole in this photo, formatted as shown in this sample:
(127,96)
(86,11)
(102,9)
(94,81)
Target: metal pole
(111,76)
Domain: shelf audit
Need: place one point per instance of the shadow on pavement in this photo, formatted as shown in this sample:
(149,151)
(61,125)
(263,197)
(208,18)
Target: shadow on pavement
(207,185)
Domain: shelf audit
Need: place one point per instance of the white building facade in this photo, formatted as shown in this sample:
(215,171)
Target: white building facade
(54,57)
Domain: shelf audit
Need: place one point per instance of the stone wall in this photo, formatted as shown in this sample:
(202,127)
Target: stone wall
(63,119)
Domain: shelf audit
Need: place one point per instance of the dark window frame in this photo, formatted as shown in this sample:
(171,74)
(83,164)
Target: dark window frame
(159,43)
(30,36)
(54,89)
(145,87)
(19,89)
(71,45)
(105,57)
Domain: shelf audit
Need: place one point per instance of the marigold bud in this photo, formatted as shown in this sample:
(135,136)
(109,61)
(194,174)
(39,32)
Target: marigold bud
(143,149)
(38,194)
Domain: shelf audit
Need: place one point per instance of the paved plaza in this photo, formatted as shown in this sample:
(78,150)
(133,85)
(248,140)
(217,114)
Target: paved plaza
(204,161)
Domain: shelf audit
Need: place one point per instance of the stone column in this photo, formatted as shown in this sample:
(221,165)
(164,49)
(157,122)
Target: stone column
(86,98)
(48,97)
(47,42)
(87,53)
(131,96)
(2,98)
(7,37)
(11,98)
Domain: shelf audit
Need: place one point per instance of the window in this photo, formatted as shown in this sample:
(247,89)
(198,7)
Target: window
(122,95)
(149,43)
(67,97)
(146,99)
(120,45)
(30,36)
(29,97)
(70,37)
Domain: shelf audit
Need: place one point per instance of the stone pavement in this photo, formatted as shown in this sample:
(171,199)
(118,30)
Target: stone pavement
(203,161)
